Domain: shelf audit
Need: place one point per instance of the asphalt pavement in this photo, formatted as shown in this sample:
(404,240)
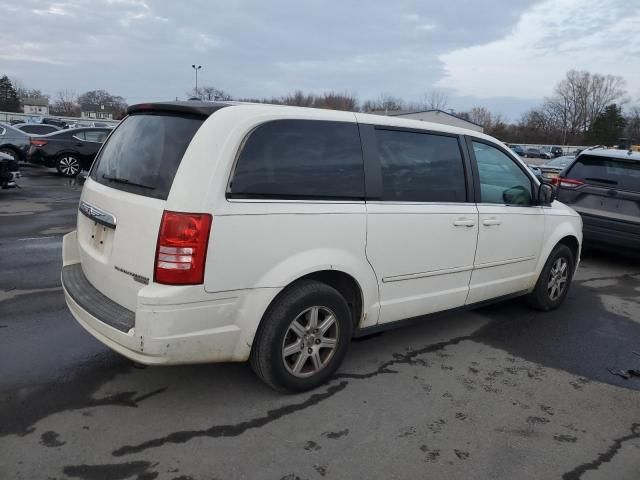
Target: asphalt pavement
(500,392)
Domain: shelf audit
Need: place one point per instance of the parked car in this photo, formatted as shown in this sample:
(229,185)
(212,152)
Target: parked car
(214,232)
(13,142)
(69,151)
(532,153)
(518,150)
(545,152)
(550,152)
(535,170)
(603,186)
(36,128)
(553,167)
(57,122)
(557,151)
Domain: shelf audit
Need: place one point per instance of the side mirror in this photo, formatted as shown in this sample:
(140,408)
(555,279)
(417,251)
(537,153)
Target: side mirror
(518,195)
(546,194)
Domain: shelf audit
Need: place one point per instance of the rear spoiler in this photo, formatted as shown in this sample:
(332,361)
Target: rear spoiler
(200,108)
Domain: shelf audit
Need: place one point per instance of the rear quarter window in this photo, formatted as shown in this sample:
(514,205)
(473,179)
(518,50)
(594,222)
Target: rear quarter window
(607,172)
(300,159)
(144,152)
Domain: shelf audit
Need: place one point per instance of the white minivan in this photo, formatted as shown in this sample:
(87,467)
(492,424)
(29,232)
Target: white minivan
(216,232)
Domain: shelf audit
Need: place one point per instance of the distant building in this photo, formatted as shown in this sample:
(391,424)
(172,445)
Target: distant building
(35,105)
(435,116)
(97,112)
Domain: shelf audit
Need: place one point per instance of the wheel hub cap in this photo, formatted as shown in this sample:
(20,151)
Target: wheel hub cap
(69,165)
(310,341)
(558,278)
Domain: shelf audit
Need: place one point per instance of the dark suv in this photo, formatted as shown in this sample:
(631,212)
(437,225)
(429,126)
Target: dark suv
(603,186)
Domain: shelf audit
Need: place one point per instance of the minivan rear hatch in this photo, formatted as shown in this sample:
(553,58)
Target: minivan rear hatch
(124,197)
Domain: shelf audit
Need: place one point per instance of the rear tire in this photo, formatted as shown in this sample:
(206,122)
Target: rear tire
(303,337)
(68,165)
(555,278)
(10,152)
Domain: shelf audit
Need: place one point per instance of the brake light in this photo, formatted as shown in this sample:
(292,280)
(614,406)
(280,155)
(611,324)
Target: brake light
(37,143)
(566,182)
(182,248)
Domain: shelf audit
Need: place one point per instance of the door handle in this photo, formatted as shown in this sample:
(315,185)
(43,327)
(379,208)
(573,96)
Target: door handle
(464,222)
(491,221)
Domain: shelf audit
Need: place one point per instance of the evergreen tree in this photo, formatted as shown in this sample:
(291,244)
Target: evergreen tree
(9,101)
(608,126)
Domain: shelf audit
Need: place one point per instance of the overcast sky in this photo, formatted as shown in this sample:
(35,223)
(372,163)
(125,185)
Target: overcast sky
(502,54)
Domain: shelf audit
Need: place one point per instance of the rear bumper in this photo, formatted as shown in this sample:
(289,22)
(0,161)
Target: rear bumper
(609,232)
(165,329)
(36,157)
(609,237)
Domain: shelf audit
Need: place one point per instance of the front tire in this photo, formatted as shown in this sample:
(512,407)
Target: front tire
(553,284)
(303,337)
(68,165)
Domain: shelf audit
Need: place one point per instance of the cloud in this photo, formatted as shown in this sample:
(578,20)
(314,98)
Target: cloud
(548,40)
(27,52)
(144,49)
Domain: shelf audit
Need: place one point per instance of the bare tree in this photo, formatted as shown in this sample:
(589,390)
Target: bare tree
(632,128)
(481,116)
(436,99)
(384,103)
(299,99)
(338,101)
(580,98)
(66,104)
(30,93)
(209,93)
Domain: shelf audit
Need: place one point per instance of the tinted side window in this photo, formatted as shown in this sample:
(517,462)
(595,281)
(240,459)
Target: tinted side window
(608,172)
(501,180)
(80,135)
(300,159)
(420,167)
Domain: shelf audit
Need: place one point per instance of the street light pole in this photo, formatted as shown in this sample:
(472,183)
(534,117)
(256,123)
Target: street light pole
(196,68)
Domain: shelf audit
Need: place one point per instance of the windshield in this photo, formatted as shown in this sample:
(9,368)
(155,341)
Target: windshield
(144,152)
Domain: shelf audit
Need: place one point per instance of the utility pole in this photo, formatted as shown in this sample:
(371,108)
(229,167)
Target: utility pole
(196,68)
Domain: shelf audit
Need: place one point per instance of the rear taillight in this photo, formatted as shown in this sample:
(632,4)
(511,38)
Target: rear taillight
(37,143)
(182,248)
(566,182)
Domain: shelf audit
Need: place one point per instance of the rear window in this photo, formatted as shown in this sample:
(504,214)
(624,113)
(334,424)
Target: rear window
(144,153)
(608,172)
(300,159)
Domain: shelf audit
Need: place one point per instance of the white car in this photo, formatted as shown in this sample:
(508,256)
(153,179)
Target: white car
(216,232)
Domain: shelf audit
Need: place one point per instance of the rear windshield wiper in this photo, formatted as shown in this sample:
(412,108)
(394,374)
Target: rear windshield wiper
(601,180)
(126,182)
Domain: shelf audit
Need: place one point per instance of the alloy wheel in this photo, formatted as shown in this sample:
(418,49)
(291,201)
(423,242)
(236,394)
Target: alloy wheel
(69,166)
(558,277)
(310,341)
